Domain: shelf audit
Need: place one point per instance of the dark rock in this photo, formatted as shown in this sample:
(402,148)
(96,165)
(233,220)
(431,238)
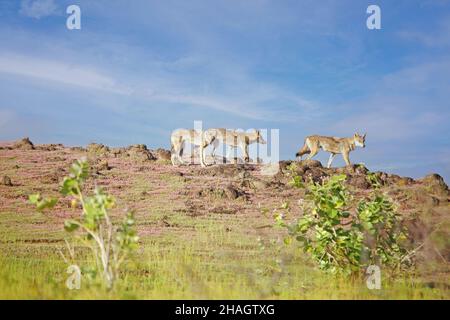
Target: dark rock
(6,181)
(229,192)
(315,174)
(435,183)
(359,182)
(24,144)
(356,169)
(285,164)
(310,163)
(50,147)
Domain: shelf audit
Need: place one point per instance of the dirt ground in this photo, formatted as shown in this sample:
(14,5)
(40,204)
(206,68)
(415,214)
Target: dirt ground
(174,200)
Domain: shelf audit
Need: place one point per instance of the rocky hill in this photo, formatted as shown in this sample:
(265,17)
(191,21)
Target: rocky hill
(234,195)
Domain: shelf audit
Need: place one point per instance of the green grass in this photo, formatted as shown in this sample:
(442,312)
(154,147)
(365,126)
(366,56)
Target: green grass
(208,264)
(208,256)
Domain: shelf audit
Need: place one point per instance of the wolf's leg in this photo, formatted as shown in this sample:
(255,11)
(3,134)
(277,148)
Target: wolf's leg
(231,153)
(230,149)
(202,155)
(215,144)
(245,151)
(173,157)
(206,141)
(314,151)
(180,152)
(346,158)
(172,152)
(330,160)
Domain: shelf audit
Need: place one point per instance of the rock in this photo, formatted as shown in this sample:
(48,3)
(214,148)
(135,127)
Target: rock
(405,181)
(232,193)
(50,147)
(6,181)
(229,192)
(315,174)
(392,179)
(24,144)
(356,169)
(260,184)
(140,152)
(359,182)
(117,152)
(435,183)
(421,197)
(310,163)
(97,148)
(285,164)
(162,154)
(102,166)
(222,170)
(78,149)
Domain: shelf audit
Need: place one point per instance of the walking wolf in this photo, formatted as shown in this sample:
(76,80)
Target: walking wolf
(334,145)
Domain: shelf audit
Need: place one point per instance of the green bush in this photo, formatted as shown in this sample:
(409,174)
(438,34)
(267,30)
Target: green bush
(110,245)
(342,242)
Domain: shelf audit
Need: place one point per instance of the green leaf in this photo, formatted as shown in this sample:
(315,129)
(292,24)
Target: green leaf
(34,198)
(46,204)
(70,186)
(71,225)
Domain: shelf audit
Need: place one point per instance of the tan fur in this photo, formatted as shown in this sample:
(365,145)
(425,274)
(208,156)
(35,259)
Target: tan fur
(334,145)
(237,139)
(214,137)
(179,138)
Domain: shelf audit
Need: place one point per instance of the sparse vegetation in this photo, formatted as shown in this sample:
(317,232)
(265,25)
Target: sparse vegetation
(196,246)
(110,246)
(342,242)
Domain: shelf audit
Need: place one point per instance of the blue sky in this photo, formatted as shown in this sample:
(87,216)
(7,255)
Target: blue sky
(139,69)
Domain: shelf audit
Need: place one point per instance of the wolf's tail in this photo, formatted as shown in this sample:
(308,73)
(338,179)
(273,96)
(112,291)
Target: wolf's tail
(303,150)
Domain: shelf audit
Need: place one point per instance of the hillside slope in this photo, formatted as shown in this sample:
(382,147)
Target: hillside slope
(208,231)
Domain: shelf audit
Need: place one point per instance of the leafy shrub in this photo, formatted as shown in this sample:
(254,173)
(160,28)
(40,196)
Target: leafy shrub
(374,180)
(341,242)
(110,246)
(295,180)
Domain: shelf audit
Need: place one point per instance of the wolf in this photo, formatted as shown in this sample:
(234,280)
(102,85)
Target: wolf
(236,139)
(214,136)
(334,145)
(178,140)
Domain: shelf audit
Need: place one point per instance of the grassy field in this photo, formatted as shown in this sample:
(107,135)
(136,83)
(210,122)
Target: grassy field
(195,243)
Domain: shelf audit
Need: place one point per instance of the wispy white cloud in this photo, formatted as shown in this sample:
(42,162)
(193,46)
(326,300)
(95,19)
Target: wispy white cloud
(239,95)
(57,72)
(440,37)
(38,8)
